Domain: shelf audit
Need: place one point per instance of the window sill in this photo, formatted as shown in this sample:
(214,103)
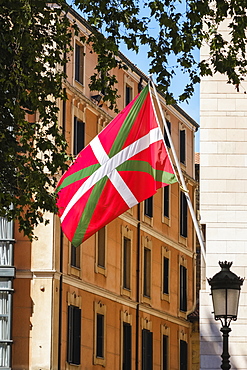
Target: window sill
(146,299)
(72,366)
(183,240)
(100,270)
(99,361)
(126,292)
(148,220)
(80,84)
(165,297)
(75,271)
(166,220)
(182,314)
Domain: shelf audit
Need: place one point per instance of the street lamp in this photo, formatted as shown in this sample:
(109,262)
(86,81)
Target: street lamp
(225,289)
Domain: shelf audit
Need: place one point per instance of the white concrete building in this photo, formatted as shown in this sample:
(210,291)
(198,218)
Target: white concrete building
(223,204)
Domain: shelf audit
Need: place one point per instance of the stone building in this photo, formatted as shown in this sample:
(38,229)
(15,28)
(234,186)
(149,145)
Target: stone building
(120,300)
(223,207)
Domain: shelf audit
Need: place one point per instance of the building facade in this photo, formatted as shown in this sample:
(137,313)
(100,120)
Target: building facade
(121,300)
(223,208)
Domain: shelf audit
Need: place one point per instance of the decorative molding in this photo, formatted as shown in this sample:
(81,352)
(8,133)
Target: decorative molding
(73,299)
(146,323)
(105,294)
(75,92)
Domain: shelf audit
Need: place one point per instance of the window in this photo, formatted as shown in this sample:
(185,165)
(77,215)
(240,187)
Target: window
(99,330)
(146,268)
(165,343)
(126,262)
(101,248)
(183,288)
(79,135)
(128,94)
(100,335)
(166,205)
(165,357)
(147,273)
(127,236)
(165,134)
(127,343)
(64,112)
(126,340)
(183,215)
(165,275)
(148,207)
(183,355)
(182,146)
(74,335)
(147,349)
(75,256)
(79,63)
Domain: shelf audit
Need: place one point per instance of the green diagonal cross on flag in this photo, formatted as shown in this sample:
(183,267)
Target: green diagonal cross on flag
(122,166)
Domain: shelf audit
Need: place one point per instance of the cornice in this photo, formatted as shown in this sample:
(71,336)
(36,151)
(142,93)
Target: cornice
(38,274)
(122,300)
(97,110)
(157,235)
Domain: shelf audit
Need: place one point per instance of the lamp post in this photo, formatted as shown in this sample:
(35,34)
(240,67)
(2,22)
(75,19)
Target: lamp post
(225,289)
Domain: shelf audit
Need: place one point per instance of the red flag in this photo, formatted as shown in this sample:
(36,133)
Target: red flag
(122,166)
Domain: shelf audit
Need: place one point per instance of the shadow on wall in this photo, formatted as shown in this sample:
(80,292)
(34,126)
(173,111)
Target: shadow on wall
(212,346)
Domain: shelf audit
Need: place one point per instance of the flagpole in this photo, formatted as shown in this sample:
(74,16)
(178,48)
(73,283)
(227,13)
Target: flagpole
(183,187)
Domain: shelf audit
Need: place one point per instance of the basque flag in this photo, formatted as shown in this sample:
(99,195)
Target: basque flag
(122,166)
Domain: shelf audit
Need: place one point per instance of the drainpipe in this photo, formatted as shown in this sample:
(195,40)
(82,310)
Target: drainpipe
(61,252)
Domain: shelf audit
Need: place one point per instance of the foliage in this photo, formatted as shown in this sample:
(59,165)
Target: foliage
(171,28)
(33,40)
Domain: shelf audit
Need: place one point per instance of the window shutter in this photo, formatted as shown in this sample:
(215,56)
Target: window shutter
(150,351)
(183,215)
(183,355)
(183,288)
(77,62)
(182,146)
(165,352)
(70,335)
(101,247)
(166,275)
(100,336)
(77,335)
(75,256)
(127,342)
(148,207)
(128,94)
(79,135)
(166,201)
(147,350)
(144,349)
(74,335)
(126,263)
(165,134)
(147,272)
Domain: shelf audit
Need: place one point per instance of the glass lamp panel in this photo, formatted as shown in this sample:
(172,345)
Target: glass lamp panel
(232,301)
(225,302)
(219,302)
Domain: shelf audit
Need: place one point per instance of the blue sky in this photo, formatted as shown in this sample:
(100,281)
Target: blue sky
(192,107)
(141,61)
